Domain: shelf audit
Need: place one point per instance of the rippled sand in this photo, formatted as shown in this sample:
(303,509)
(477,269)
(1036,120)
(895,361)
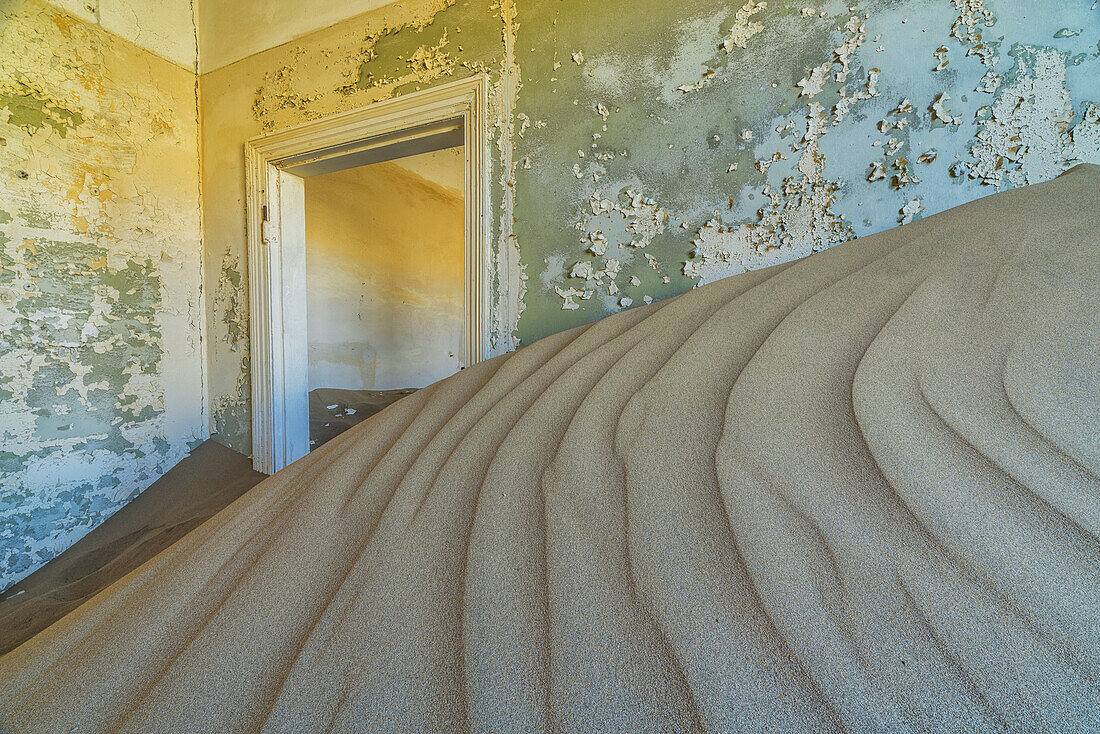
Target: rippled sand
(859,491)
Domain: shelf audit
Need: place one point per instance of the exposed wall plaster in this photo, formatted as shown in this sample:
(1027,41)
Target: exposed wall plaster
(230,411)
(744,27)
(613,229)
(1086,135)
(910,211)
(342,76)
(799,218)
(509,274)
(801,213)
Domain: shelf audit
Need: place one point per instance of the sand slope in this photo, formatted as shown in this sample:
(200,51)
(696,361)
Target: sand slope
(856,492)
(190,493)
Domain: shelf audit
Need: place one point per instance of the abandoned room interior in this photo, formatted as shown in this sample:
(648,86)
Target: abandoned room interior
(549,365)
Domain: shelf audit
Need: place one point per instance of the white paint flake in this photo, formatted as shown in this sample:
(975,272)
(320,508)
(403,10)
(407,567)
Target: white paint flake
(910,210)
(1086,135)
(744,28)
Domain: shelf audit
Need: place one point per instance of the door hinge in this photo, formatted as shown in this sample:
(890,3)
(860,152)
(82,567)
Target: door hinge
(266,233)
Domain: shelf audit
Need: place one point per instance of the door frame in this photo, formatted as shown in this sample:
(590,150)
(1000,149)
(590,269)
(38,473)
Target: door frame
(275,164)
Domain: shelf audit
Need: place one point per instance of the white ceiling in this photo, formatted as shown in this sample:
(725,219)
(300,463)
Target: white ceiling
(228,30)
(165,27)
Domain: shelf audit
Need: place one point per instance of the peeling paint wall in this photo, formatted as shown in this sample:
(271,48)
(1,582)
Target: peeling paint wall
(101,354)
(639,149)
(231,31)
(643,148)
(385,273)
(765,131)
(230,411)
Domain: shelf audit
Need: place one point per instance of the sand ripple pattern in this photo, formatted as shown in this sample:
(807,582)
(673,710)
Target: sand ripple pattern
(860,492)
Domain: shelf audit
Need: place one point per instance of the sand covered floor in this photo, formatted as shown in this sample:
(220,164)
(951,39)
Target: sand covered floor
(333,410)
(856,492)
(190,493)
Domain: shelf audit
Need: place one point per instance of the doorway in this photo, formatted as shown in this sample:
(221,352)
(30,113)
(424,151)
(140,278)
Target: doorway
(363,295)
(384,284)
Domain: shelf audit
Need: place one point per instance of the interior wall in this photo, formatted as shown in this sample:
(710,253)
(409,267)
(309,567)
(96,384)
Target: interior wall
(638,149)
(230,31)
(643,148)
(101,303)
(266,92)
(385,271)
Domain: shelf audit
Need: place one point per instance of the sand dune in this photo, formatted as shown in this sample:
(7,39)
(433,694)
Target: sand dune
(855,492)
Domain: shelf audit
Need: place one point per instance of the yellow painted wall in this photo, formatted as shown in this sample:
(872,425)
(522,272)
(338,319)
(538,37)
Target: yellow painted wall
(385,273)
(165,27)
(231,31)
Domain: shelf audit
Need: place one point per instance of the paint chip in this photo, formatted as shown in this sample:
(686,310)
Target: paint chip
(910,210)
(939,110)
(941,56)
(744,28)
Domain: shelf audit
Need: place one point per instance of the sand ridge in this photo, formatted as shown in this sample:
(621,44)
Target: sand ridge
(856,492)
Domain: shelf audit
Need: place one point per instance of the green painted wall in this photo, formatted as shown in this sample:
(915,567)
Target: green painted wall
(685,104)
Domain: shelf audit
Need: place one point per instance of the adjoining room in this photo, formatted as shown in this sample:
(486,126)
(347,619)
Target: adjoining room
(385,284)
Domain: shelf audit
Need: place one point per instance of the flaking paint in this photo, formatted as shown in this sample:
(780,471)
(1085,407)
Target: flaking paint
(639,149)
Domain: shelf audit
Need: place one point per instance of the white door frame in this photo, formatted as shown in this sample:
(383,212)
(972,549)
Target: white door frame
(274,166)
